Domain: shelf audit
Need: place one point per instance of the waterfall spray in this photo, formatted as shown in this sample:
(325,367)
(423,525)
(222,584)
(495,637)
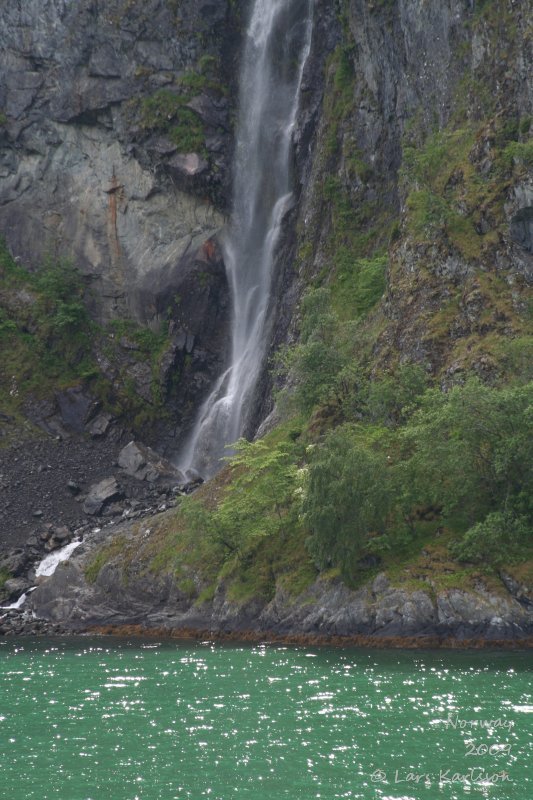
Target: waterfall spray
(277,45)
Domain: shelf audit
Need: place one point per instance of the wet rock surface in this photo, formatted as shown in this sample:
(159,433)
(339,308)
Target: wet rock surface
(90,169)
(23,623)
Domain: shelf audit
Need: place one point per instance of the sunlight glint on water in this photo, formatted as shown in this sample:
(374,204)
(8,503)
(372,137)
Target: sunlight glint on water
(99,718)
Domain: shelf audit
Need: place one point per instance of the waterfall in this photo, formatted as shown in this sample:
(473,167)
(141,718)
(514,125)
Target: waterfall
(50,562)
(277,45)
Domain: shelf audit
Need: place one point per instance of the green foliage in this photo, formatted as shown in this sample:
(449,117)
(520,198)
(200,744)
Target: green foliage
(500,538)
(4,576)
(467,455)
(392,399)
(317,359)
(327,366)
(48,339)
(7,325)
(348,497)
(520,152)
(428,213)
(359,284)
(258,502)
(45,329)
(339,100)
(150,343)
(450,189)
(165,111)
(470,451)
(61,303)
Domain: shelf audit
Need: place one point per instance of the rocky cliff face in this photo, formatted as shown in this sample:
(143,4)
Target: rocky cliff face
(115,141)
(422,156)
(115,144)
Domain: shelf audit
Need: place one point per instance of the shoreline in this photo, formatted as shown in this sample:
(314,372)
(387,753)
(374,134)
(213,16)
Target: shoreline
(315,640)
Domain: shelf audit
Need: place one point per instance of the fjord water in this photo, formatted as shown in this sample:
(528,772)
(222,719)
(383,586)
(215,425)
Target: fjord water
(277,44)
(97,718)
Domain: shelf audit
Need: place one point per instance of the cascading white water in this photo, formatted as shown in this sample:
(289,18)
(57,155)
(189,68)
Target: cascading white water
(50,562)
(277,45)
(46,567)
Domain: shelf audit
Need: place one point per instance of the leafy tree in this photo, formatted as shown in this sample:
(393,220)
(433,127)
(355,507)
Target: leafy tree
(391,400)
(62,290)
(349,495)
(470,450)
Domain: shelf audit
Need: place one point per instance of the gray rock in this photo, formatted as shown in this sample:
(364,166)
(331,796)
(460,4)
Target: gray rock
(14,562)
(100,494)
(62,534)
(15,587)
(213,112)
(145,464)
(100,425)
(76,408)
(381,583)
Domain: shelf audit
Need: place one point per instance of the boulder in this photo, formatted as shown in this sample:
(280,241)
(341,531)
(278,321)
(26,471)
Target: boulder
(100,424)
(15,587)
(62,534)
(145,464)
(100,494)
(14,562)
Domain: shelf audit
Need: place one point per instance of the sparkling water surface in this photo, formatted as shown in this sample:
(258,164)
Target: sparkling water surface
(92,718)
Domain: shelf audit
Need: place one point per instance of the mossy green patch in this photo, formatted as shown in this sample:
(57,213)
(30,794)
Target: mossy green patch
(117,547)
(49,343)
(4,576)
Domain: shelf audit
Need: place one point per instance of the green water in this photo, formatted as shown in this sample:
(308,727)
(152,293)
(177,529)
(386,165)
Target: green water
(98,718)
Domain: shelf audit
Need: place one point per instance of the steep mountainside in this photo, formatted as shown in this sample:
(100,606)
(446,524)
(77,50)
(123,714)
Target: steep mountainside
(391,493)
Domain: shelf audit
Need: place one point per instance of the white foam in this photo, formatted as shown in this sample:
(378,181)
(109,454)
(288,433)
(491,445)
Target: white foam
(20,602)
(49,564)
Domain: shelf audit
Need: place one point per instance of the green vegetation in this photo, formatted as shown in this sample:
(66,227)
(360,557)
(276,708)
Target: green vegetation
(257,502)
(44,329)
(49,343)
(166,111)
(347,497)
(465,457)
(520,152)
(103,556)
(452,191)
(4,576)
(417,464)
(360,229)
